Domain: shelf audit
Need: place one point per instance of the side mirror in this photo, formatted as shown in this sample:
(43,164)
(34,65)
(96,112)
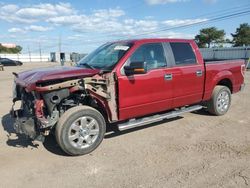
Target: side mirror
(136,68)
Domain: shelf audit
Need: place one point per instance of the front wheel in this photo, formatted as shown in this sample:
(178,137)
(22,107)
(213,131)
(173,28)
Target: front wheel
(220,101)
(80,130)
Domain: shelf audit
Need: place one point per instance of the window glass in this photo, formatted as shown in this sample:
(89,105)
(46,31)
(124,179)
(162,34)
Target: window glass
(106,56)
(152,53)
(183,53)
(5,60)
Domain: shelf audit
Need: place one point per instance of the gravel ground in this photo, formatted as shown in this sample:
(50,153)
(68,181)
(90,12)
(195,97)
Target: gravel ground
(194,150)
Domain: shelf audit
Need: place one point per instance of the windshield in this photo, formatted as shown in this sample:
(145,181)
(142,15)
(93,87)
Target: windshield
(106,56)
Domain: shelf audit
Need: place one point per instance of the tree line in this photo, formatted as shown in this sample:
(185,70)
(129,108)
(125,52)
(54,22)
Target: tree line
(213,37)
(15,50)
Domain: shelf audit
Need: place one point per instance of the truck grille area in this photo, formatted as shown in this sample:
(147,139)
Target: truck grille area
(24,117)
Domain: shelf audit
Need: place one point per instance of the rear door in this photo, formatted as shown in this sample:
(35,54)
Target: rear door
(187,74)
(148,93)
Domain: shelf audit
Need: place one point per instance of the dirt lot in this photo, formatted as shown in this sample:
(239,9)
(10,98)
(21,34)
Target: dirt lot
(196,150)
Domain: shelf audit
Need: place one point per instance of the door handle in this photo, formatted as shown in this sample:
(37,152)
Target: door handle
(168,76)
(199,73)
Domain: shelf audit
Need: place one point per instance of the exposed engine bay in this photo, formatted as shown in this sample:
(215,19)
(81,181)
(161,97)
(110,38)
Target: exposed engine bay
(41,109)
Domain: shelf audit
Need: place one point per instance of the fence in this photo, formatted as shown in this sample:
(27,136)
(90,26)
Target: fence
(27,57)
(226,53)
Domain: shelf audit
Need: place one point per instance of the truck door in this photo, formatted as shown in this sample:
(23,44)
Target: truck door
(143,94)
(187,74)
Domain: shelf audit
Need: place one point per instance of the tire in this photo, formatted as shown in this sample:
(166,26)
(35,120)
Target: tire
(80,130)
(220,102)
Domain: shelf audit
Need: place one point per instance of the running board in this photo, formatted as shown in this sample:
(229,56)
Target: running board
(151,119)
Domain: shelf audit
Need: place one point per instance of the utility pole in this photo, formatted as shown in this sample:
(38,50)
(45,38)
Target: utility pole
(60,50)
(40,51)
(59,44)
(29,53)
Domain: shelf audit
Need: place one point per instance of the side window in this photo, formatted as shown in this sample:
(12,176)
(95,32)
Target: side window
(183,53)
(151,53)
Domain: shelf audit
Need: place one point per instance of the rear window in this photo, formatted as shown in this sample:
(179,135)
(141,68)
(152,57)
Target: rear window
(183,53)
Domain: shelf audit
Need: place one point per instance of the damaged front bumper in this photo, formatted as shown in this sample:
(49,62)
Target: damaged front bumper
(23,124)
(32,125)
(22,112)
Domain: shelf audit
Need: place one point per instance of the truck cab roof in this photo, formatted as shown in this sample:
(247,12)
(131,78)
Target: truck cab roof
(153,40)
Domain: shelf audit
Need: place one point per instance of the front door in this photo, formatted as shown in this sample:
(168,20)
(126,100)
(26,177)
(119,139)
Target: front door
(148,93)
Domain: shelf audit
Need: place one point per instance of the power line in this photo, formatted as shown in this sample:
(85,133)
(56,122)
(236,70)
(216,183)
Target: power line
(211,19)
(212,15)
(197,23)
(215,16)
(233,14)
(224,10)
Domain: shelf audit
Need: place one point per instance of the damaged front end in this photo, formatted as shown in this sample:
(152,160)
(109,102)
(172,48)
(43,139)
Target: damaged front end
(28,113)
(36,112)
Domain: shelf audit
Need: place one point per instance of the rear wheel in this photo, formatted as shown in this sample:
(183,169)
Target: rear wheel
(220,101)
(80,130)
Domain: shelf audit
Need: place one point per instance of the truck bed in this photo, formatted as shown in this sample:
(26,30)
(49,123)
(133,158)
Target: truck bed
(229,68)
(207,61)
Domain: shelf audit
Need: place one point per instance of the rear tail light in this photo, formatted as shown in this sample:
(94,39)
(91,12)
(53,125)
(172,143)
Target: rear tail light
(243,69)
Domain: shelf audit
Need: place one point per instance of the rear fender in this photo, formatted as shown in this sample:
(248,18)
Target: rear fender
(216,80)
(223,75)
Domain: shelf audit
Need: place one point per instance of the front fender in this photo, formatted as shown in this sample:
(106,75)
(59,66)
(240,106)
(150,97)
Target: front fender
(103,104)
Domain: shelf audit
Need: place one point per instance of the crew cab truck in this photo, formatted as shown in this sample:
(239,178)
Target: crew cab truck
(127,83)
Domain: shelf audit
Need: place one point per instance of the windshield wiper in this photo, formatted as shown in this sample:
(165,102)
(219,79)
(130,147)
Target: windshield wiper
(87,65)
(103,71)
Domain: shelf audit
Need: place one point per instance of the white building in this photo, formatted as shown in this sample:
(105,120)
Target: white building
(8,45)
(58,57)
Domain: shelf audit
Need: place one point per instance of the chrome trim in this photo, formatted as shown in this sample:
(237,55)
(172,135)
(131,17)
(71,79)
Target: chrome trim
(151,119)
(168,77)
(199,73)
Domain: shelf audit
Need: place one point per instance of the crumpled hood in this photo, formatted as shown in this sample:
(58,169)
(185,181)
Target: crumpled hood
(28,79)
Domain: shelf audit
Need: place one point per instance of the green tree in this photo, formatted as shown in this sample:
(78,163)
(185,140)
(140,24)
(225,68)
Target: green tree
(209,36)
(242,35)
(15,50)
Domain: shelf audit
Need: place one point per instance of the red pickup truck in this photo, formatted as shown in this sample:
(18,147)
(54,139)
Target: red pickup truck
(126,83)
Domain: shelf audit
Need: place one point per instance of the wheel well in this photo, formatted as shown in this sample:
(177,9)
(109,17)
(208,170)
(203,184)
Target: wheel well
(99,107)
(226,82)
(103,112)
